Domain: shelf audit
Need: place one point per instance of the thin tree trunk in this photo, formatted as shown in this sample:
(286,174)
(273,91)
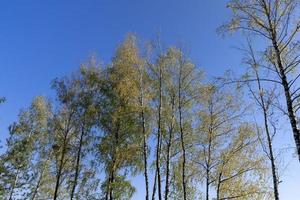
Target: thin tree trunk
(219,186)
(207,184)
(107,188)
(77,167)
(183,165)
(167,171)
(272,160)
(38,184)
(111,182)
(182,137)
(60,168)
(169,144)
(159,136)
(269,139)
(145,146)
(111,179)
(208,167)
(208,161)
(113,170)
(154,186)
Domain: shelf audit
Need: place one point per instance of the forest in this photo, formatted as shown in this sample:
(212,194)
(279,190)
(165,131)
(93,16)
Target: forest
(152,112)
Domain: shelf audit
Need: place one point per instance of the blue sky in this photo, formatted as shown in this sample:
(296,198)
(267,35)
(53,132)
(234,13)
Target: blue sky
(41,40)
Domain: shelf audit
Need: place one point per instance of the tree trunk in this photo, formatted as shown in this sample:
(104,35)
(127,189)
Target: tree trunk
(158,149)
(169,144)
(107,188)
(145,147)
(269,139)
(111,179)
(182,139)
(208,166)
(38,185)
(77,167)
(289,102)
(167,171)
(60,168)
(111,182)
(272,160)
(207,184)
(219,186)
(113,167)
(154,186)
(145,165)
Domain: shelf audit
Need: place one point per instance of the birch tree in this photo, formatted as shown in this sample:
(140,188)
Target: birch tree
(119,147)
(222,143)
(264,99)
(277,23)
(28,149)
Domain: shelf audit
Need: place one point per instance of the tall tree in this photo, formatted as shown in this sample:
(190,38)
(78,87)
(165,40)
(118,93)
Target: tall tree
(188,87)
(217,114)
(264,99)
(144,114)
(157,77)
(95,138)
(64,131)
(278,23)
(183,82)
(221,144)
(82,86)
(27,150)
(171,128)
(120,145)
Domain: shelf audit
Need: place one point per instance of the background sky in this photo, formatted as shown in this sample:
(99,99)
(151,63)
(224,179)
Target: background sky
(42,40)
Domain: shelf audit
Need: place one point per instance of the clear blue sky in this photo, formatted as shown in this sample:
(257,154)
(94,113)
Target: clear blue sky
(41,40)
